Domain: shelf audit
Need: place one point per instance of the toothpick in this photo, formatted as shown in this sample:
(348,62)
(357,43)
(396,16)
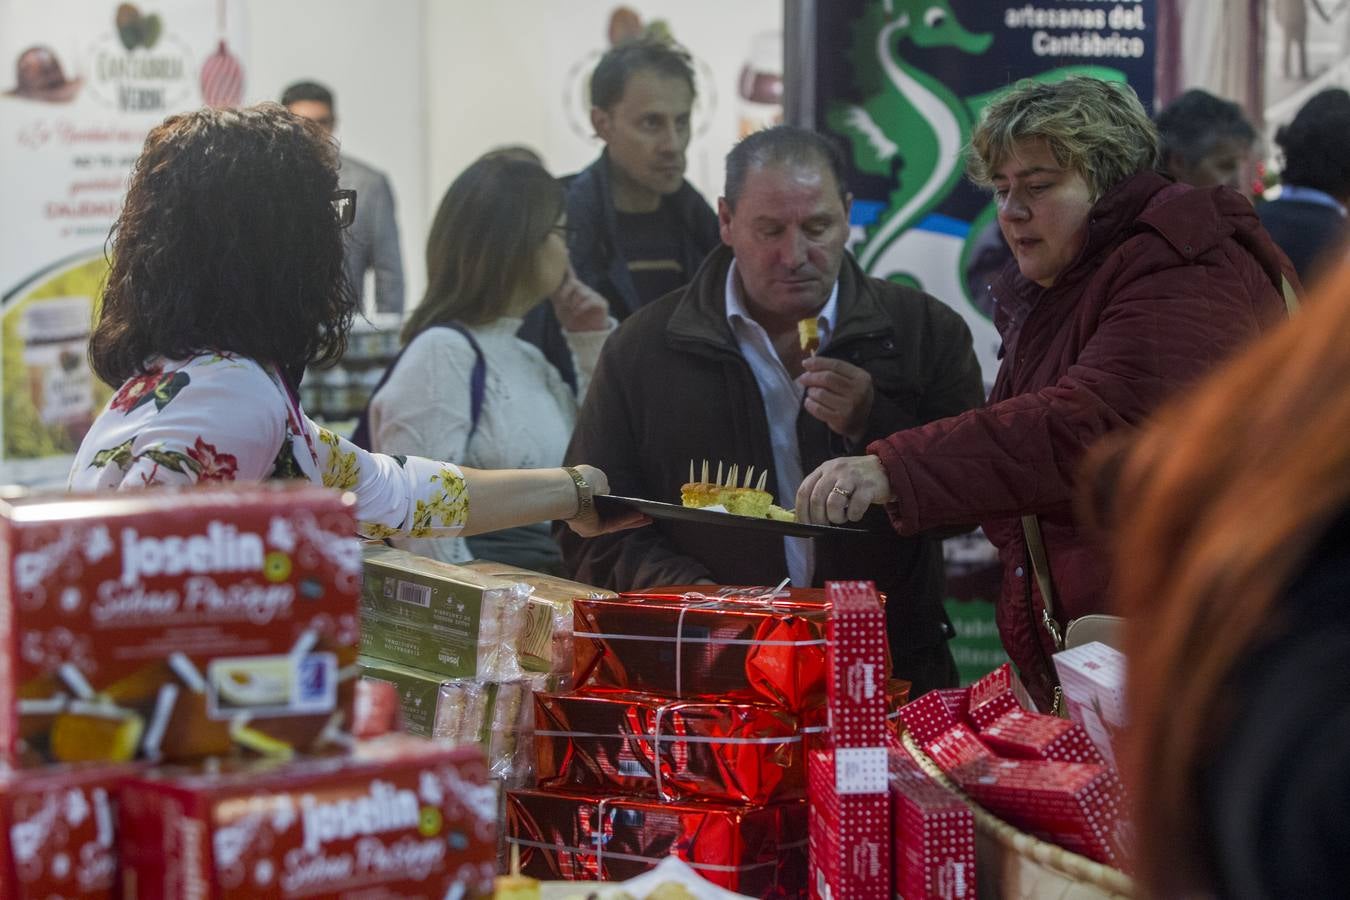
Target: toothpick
(733,475)
(691,470)
(704,479)
(719,471)
(763,479)
(749,476)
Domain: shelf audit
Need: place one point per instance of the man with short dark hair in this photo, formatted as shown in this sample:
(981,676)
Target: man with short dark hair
(636,229)
(372,239)
(716,370)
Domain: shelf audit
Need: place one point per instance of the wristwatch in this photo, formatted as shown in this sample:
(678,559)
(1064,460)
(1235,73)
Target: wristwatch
(585,493)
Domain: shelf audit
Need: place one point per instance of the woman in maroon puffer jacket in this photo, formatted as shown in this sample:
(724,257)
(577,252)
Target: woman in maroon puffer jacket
(1126,287)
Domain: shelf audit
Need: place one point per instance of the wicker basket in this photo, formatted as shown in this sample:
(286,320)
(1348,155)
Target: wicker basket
(1011,863)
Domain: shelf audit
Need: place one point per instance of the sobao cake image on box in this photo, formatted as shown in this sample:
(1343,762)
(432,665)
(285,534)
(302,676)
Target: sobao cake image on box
(171,625)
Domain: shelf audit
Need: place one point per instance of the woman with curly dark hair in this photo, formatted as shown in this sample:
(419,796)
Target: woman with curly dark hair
(226,282)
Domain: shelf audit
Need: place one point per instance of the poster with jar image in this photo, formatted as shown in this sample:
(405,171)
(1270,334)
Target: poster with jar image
(81,84)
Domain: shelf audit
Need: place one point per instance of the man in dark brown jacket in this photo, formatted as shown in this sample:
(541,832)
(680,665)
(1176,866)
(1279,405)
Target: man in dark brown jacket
(715,371)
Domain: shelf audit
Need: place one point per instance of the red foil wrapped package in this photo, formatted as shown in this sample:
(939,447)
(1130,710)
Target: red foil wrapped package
(670,749)
(401,817)
(995,694)
(934,851)
(585,836)
(1077,806)
(1026,735)
(172,625)
(58,833)
(850,831)
(705,643)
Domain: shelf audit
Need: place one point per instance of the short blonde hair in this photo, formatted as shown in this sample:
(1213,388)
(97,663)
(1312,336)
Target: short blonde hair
(1096,128)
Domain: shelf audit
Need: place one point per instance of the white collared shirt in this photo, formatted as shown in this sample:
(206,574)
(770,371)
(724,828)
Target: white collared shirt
(782,403)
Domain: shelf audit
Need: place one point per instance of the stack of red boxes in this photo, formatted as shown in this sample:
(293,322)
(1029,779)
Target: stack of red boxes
(934,850)
(687,735)
(1039,773)
(850,801)
(143,632)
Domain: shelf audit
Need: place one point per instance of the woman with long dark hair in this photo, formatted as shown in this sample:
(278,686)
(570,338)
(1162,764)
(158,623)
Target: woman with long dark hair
(466,386)
(226,282)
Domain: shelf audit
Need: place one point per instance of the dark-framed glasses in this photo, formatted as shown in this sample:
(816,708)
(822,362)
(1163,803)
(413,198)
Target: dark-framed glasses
(344,206)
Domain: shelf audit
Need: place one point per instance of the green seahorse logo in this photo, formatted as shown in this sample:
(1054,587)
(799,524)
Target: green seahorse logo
(909,126)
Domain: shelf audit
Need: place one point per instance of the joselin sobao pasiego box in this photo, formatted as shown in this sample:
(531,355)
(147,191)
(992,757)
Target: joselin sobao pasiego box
(175,624)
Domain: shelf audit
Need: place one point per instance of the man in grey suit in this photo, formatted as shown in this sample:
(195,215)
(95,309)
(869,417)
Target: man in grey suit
(372,240)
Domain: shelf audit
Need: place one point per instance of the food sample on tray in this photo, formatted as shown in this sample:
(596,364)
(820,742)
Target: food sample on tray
(439,617)
(399,817)
(171,625)
(739,499)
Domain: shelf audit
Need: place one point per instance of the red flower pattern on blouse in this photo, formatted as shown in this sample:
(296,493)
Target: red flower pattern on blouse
(134,390)
(212,465)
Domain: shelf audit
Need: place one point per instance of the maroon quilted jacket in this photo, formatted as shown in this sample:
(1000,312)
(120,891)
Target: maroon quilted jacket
(1170,280)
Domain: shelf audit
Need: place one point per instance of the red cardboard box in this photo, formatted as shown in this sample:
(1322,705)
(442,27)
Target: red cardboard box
(401,817)
(934,853)
(993,695)
(700,642)
(1077,806)
(1025,735)
(58,833)
(958,748)
(928,717)
(650,746)
(850,833)
(585,836)
(172,625)
(857,665)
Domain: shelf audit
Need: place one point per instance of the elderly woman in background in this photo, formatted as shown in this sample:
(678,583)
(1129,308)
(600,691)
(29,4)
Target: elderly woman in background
(226,282)
(1125,287)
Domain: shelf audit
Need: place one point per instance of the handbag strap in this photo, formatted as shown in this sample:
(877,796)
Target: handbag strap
(361,436)
(1040,568)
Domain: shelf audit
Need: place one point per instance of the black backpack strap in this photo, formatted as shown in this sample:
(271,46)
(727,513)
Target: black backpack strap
(477,388)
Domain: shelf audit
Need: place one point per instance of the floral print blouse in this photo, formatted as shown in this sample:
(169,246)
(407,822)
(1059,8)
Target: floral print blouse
(218,417)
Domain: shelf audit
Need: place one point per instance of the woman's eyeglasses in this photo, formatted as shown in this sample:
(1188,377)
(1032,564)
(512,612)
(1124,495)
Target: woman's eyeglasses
(344,206)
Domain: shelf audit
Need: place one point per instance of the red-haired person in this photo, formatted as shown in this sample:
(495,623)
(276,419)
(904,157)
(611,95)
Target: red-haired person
(1232,516)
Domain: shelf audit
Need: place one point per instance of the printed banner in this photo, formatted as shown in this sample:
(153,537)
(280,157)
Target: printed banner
(81,83)
(903,96)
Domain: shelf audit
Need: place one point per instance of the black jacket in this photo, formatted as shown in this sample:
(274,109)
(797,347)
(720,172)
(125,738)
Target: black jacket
(672,386)
(1308,233)
(592,244)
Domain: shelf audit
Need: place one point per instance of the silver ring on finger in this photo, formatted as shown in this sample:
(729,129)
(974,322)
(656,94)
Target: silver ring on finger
(846,494)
